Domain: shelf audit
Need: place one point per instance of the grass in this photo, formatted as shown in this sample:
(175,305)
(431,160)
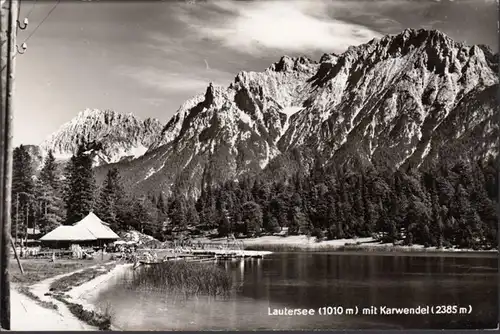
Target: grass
(27,292)
(66,283)
(101,321)
(190,279)
(36,270)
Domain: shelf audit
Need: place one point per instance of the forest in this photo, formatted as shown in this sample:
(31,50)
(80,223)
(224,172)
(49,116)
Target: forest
(453,203)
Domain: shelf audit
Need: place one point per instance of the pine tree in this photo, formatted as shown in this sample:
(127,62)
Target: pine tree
(110,193)
(192,216)
(252,218)
(224,227)
(51,213)
(299,223)
(177,212)
(80,186)
(49,171)
(23,188)
(142,219)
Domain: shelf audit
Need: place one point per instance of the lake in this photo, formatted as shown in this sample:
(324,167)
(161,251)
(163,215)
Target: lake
(316,280)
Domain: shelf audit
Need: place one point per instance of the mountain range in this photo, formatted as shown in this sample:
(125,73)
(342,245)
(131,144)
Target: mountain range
(397,101)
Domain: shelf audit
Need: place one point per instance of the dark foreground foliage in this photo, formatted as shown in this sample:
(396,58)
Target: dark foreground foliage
(101,321)
(190,279)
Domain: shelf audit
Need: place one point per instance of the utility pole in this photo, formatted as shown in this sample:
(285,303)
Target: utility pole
(8,26)
(27,222)
(17,218)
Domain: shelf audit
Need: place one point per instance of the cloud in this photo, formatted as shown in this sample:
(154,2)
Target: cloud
(154,101)
(255,27)
(169,81)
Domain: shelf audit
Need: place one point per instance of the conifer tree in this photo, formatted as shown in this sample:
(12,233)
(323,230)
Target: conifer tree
(51,213)
(252,218)
(23,188)
(80,187)
(108,206)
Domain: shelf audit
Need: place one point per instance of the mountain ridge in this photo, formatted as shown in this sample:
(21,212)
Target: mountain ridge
(110,135)
(400,100)
(396,99)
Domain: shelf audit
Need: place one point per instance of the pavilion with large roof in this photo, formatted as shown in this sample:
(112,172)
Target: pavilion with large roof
(90,231)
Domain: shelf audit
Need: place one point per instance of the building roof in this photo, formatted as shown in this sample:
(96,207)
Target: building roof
(97,227)
(69,233)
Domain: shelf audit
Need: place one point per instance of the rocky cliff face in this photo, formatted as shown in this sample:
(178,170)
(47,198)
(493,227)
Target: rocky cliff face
(111,136)
(403,99)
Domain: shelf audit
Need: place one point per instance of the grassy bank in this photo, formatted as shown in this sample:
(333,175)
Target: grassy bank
(101,321)
(36,270)
(184,278)
(67,283)
(25,290)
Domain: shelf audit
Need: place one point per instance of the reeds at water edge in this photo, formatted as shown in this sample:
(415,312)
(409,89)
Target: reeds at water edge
(190,279)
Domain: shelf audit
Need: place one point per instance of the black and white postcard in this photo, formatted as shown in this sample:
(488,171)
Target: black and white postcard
(250,165)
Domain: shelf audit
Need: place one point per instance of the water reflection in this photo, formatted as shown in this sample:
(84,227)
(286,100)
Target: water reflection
(316,280)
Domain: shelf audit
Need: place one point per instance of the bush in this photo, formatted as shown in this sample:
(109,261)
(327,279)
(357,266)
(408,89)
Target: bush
(101,321)
(318,233)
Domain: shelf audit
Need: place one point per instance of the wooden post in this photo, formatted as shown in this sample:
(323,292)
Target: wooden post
(8,25)
(17,219)
(17,257)
(27,221)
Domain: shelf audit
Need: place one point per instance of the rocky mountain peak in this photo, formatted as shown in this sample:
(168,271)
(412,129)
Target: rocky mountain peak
(214,94)
(112,136)
(289,64)
(329,58)
(399,99)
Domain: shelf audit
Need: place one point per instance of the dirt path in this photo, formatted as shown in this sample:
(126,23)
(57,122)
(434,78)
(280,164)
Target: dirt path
(41,288)
(27,315)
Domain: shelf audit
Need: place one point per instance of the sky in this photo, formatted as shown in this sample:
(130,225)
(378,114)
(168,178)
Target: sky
(147,58)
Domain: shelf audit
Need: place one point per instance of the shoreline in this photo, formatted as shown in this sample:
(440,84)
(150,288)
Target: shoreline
(56,318)
(84,294)
(302,243)
(58,296)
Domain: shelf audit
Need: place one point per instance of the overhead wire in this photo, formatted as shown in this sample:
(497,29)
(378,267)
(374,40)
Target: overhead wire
(41,22)
(31,10)
(18,13)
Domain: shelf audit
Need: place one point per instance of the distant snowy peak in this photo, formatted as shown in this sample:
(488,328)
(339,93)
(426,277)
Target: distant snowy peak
(110,135)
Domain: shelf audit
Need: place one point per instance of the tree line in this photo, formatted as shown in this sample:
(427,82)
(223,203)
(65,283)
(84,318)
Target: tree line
(62,196)
(453,203)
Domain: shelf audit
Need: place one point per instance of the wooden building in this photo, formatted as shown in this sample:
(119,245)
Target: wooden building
(90,231)
(65,236)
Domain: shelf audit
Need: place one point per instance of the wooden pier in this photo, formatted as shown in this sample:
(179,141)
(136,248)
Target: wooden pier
(205,255)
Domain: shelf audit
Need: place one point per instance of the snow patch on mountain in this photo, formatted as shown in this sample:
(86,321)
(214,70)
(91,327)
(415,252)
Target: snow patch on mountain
(107,135)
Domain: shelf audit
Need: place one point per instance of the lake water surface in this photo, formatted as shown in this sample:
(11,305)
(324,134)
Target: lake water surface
(315,280)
